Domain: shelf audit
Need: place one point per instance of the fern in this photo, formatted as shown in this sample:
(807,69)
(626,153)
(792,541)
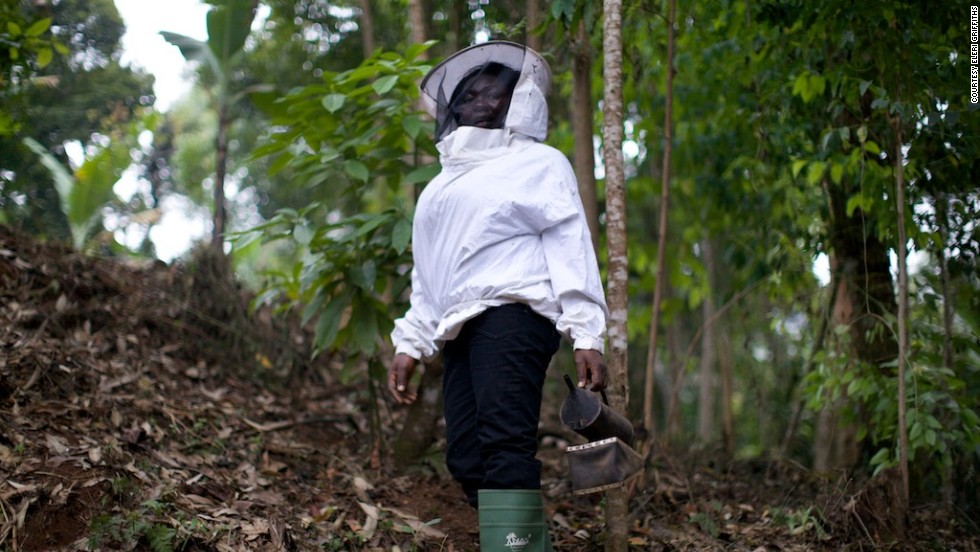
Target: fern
(160,537)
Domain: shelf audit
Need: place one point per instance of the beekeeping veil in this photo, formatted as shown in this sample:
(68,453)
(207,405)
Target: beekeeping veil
(525,69)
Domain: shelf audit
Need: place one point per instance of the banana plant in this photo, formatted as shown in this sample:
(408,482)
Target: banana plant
(84,192)
(229,23)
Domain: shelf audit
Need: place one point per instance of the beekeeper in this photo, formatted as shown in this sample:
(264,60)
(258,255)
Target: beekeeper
(503,268)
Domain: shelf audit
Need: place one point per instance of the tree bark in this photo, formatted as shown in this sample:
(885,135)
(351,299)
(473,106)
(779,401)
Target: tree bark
(727,385)
(421,421)
(865,299)
(706,394)
(221,166)
(582,117)
(417,21)
(903,309)
(617,500)
(941,205)
(419,431)
(367,28)
(533,12)
(457,37)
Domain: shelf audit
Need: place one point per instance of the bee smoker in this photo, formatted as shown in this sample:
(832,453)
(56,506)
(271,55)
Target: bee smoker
(608,460)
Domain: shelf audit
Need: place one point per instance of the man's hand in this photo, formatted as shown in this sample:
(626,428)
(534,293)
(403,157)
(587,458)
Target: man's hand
(592,373)
(400,371)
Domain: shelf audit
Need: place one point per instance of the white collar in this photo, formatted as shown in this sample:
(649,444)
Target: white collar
(469,146)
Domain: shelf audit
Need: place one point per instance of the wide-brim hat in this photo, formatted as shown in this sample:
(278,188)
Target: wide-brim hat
(438,85)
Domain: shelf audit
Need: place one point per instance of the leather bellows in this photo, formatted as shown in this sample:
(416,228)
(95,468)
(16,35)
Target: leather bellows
(607,461)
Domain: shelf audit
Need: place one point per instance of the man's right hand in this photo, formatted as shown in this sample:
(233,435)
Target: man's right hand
(400,372)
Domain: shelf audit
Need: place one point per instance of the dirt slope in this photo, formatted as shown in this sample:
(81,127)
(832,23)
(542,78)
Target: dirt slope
(143,408)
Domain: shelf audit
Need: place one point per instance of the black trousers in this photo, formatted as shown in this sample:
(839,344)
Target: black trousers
(494,372)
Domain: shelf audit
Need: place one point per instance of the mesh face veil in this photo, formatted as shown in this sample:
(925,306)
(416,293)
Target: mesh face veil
(491,85)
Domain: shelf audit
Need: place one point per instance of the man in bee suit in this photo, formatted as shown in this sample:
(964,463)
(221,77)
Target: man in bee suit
(503,269)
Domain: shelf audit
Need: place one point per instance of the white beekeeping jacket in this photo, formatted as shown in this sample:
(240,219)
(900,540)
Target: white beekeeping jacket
(502,223)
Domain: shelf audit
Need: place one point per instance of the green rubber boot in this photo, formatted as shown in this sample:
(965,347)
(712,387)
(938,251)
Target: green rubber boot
(512,521)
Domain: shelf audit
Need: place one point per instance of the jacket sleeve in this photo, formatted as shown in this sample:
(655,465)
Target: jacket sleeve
(413,333)
(572,266)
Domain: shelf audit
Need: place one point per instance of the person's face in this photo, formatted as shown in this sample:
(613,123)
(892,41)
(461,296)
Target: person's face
(485,104)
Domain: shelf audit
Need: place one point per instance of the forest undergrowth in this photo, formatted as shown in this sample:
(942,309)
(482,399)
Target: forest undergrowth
(144,407)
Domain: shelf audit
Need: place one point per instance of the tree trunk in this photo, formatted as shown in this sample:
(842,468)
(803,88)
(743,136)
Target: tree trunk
(221,164)
(534,40)
(661,238)
(903,309)
(421,421)
(617,500)
(727,369)
(706,395)
(811,363)
(582,116)
(866,296)
(417,20)
(367,28)
(942,223)
(419,431)
(457,37)
(865,299)
(675,378)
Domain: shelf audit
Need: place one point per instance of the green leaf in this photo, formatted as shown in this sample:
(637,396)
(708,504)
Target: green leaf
(412,126)
(563,9)
(798,166)
(836,172)
(333,102)
(314,307)
(880,457)
(385,84)
(356,170)
(191,48)
(229,24)
(328,154)
(401,235)
(363,327)
(421,174)
(14,29)
(815,172)
(303,234)
(94,181)
(38,27)
(44,57)
(808,86)
(329,323)
(363,276)
(63,179)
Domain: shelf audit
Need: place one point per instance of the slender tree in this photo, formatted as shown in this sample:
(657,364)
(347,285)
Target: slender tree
(533,20)
(706,395)
(617,504)
(648,423)
(903,311)
(229,24)
(582,116)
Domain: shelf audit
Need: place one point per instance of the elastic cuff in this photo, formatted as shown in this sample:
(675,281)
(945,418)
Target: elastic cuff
(587,343)
(407,349)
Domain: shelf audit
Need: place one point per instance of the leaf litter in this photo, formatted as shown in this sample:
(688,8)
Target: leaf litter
(135,417)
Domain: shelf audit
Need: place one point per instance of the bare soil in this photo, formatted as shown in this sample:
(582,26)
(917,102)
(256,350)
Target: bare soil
(144,407)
